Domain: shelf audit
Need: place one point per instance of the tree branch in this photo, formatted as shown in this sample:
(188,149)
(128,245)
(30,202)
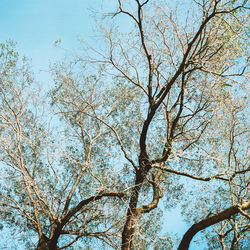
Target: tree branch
(226,214)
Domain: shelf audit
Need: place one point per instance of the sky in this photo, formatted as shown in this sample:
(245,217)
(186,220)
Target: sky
(36,24)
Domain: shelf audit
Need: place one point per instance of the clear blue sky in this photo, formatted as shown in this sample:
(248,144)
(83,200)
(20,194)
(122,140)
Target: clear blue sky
(36,24)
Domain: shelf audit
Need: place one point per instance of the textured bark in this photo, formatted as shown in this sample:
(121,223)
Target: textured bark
(134,211)
(43,243)
(226,214)
(128,230)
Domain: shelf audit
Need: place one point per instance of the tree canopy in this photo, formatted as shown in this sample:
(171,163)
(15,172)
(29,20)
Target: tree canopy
(153,119)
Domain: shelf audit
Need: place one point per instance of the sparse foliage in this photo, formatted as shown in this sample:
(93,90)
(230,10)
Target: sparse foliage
(157,113)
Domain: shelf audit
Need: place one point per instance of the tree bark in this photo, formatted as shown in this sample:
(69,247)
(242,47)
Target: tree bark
(43,243)
(128,230)
(46,244)
(226,214)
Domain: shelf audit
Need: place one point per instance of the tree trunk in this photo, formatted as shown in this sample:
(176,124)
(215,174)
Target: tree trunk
(46,244)
(43,243)
(129,227)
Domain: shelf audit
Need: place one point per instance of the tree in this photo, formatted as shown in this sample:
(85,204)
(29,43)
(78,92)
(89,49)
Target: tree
(232,222)
(39,195)
(162,102)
